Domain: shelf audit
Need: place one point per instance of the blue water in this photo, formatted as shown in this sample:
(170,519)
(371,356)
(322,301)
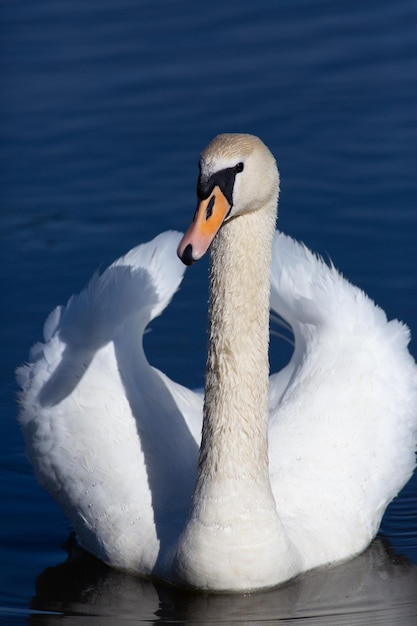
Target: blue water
(105,106)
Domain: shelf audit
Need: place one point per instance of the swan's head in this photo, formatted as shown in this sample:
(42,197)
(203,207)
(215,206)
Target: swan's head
(238,175)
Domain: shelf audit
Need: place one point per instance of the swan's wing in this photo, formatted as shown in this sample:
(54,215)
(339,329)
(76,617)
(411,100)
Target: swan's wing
(344,411)
(110,437)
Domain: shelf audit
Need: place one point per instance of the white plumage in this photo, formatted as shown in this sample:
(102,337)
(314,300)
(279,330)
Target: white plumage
(116,442)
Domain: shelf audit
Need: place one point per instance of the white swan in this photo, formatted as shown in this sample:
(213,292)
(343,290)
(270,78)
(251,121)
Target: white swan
(116,442)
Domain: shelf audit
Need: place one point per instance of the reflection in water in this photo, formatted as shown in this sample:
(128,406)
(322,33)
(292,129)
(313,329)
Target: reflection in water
(377,586)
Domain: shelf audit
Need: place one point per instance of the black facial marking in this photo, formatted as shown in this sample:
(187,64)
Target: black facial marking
(187,255)
(209,209)
(225,179)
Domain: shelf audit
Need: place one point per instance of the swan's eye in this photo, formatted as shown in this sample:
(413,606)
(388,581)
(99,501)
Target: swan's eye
(239,167)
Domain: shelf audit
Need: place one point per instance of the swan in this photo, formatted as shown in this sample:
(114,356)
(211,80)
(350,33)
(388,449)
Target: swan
(267,476)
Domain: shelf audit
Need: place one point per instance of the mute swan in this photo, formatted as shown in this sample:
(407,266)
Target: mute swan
(116,442)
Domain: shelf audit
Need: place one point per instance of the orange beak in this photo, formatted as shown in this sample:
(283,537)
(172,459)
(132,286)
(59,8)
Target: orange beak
(209,216)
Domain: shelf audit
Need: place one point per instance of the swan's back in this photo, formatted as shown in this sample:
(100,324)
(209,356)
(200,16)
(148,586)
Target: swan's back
(343,412)
(115,441)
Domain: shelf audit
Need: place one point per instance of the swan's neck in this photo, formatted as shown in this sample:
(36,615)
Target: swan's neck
(235,427)
(234,538)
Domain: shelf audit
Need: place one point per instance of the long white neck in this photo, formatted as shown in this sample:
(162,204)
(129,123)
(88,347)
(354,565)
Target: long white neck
(234,538)
(235,426)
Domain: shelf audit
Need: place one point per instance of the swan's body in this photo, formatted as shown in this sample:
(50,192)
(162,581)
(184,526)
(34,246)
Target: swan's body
(284,481)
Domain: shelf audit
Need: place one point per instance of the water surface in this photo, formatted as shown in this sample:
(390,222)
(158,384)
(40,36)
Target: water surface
(105,108)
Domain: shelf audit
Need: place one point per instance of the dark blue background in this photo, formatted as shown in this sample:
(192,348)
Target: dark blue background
(105,106)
